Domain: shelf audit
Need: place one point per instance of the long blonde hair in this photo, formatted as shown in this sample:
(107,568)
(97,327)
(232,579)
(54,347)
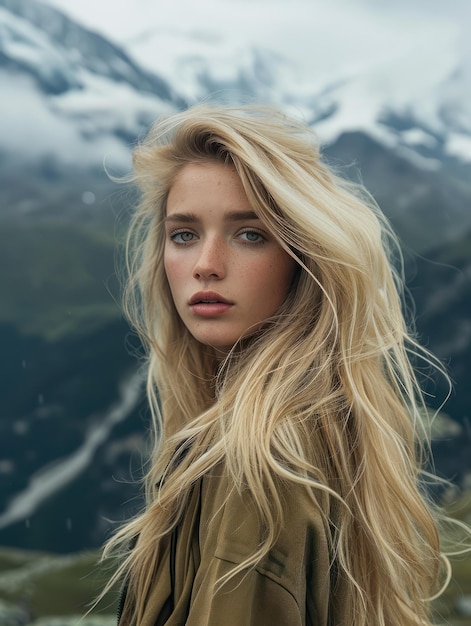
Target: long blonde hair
(329,378)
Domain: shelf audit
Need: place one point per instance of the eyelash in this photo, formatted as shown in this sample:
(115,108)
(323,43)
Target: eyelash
(259,241)
(174,234)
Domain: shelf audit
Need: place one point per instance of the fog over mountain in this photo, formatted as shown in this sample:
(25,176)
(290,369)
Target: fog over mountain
(404,79)
(352,64)
(74,97)
(69,91)
(387,89)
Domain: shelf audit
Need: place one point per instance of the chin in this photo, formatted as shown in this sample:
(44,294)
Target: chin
(220,343)
(219,346)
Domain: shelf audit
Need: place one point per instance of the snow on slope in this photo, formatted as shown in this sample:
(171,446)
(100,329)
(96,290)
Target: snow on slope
(69,92)
(402,77)
(31,126)
(50,480)
(341,65)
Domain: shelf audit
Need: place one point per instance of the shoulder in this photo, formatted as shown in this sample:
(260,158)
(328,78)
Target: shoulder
(223,504)
(230,531)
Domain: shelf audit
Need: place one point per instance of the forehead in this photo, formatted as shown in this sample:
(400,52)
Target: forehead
(212,185)
(206,172)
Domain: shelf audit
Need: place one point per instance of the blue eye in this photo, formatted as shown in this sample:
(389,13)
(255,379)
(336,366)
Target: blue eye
(183,237)
(252,236)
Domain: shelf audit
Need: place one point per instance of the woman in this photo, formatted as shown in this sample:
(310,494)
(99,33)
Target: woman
(284,487)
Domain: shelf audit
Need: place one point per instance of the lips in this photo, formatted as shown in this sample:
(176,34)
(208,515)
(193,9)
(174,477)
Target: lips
(209,305)
(208,297)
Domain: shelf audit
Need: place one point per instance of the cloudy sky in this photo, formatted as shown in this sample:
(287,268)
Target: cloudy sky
(319,36)
(365,56)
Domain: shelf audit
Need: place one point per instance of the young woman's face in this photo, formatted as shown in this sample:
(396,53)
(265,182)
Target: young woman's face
(226,272)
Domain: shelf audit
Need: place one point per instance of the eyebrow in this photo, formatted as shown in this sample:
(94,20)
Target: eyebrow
(232,216)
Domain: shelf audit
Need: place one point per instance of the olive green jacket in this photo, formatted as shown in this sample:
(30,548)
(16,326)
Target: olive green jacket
(291,586)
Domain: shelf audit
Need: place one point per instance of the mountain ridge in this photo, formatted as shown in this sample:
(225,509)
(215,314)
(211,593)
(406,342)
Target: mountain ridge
(82,47)
(65,345)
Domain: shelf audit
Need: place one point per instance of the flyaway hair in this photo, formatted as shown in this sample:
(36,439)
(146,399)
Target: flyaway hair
(324,395)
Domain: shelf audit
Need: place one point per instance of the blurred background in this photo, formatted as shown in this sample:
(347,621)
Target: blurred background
(387,88)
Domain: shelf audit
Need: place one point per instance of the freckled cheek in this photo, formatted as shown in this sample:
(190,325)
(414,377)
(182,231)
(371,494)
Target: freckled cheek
(279,277)
(175,272)
(168,267)
(251,274)
(261,277)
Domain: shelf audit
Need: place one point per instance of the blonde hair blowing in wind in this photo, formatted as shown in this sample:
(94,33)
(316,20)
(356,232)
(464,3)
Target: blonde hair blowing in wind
(323,395)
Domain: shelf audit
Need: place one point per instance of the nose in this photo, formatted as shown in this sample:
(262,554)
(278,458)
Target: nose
(210,263)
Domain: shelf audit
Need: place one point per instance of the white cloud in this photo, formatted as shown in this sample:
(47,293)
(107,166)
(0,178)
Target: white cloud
(30,127)
(361,59)
(321,35)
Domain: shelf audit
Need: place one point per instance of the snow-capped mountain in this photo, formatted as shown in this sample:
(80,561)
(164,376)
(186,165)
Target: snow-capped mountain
(68,90)
(402,77)
(406,94)
(73,97)
(412,99)
(71,413)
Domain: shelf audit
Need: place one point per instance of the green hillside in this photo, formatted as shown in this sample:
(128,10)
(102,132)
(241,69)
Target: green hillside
(52,590)
(60,277)
(34,586)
